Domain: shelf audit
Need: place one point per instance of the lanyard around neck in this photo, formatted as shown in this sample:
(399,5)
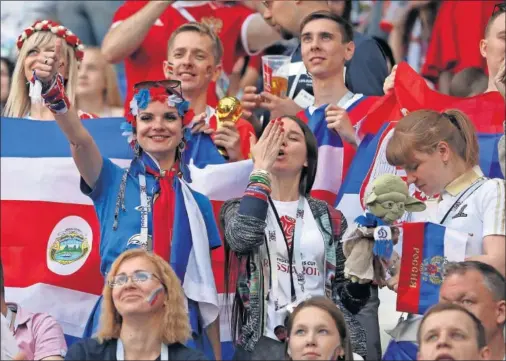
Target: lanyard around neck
(120,351)
(293,250)
(466,194)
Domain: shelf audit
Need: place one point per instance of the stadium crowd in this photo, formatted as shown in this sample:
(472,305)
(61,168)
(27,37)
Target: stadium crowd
(292,94)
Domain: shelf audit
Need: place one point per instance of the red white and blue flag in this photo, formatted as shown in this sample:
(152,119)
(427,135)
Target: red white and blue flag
(426,249)
(40,197)
(486,111)
(334,155)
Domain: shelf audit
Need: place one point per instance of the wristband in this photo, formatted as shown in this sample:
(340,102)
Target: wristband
(54,96)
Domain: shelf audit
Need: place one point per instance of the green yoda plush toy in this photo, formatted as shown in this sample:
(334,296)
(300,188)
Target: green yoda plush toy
(368,246)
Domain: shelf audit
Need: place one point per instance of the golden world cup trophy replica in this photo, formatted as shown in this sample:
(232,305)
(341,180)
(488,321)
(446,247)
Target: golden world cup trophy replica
(228,110)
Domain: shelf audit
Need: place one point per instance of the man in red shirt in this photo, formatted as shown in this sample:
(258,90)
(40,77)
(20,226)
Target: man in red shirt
(194,58)
(141,30)
(454,42)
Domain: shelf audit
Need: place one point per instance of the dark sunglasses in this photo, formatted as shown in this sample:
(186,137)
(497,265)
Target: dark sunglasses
(499,8)
(169,85)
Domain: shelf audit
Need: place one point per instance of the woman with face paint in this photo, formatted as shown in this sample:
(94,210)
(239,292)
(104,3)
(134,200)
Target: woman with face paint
(143,314)
(147,204)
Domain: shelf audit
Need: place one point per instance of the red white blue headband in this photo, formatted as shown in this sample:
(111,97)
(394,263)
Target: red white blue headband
(163,91)
(57,29)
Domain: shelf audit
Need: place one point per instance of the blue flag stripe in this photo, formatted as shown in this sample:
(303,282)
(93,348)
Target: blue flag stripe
(433,246)
(38,139)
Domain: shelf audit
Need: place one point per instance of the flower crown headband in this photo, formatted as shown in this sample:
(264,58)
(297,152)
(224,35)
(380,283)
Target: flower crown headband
(57,29)
(156,92)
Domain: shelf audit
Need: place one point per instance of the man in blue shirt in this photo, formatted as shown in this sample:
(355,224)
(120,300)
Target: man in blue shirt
(364,73)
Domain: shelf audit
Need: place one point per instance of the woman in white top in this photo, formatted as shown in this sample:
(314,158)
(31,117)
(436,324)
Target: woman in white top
(440,154)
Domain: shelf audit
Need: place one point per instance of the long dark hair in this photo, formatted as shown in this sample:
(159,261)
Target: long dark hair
(308,174)
(326,305)
(233,264)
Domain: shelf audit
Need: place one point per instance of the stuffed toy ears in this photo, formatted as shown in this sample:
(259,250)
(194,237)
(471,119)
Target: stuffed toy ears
(414,205)
(370,198)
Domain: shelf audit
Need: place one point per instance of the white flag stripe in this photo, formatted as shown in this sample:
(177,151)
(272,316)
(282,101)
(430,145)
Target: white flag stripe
(72,308)
(33,179)
(220,182)
(198,282)
(328,159)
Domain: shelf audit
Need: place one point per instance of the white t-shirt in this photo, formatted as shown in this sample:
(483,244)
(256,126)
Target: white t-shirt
(312,250)
(479,213)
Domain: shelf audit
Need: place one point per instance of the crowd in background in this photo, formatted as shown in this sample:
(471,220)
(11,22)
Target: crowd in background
(199,52)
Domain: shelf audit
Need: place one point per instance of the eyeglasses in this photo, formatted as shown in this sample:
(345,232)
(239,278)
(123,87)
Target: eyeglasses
(169,84)
(136,277)
(501,8)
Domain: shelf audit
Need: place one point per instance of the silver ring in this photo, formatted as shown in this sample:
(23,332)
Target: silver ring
(45,61)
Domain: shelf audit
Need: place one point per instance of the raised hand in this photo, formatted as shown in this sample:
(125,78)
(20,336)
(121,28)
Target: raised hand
(500,79)
(339,121)
(266,150)
(279,106)
(48,62)
(389,81)
(250,101)
(200,125)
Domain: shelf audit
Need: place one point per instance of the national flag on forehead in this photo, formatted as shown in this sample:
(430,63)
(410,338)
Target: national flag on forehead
(411,93)
(334,155)
(426,249)
(44,214)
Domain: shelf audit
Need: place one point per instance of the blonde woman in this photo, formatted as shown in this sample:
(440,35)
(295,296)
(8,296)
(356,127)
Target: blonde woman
(97,86)
(144,316)
(35,46)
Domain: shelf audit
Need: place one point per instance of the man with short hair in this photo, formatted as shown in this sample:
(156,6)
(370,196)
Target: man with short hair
(450,332)
(479,288)
(141,29)
(38,335)
(194,57)
(364,73)
(326,45)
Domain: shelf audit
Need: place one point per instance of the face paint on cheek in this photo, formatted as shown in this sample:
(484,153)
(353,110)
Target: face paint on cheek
(153,297)
(170,68)
(209,70)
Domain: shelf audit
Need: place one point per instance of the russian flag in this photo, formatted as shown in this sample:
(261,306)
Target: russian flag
(426,249)
(41,200)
